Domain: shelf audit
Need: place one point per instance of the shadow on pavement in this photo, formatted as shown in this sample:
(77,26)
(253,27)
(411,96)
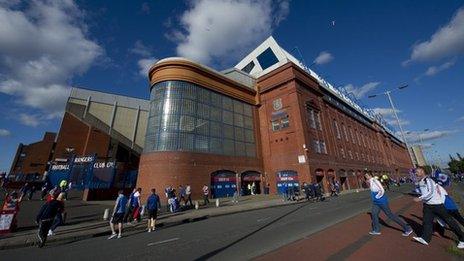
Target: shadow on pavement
(219,250)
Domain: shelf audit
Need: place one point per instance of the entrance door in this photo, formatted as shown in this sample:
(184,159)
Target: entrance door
(250,183)
(287,181)
(223,183)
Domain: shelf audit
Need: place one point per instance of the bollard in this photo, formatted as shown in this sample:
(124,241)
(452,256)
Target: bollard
(106,214)
(196,205)
(217,202)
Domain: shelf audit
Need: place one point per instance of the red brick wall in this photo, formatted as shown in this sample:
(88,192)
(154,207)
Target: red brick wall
(160,169)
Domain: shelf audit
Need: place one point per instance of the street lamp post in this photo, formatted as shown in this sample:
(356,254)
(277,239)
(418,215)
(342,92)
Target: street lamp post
(387,93)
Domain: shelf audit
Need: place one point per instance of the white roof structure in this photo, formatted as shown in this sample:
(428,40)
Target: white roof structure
(261,61)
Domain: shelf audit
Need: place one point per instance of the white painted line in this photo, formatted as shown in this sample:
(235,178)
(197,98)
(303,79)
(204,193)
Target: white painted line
(262,219)
(162,242)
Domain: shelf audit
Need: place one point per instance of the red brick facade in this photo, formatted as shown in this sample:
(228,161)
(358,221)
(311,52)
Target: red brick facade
(285,93)
(33,158)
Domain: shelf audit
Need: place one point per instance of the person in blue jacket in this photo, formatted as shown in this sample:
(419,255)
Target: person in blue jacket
(380,202)
(153,205)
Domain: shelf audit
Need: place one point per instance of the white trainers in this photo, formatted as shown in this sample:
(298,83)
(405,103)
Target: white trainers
(119,236)
(50,233)
(375,233)
(112,236)
(149,230)
(422,241)
(407,233)
(460,245)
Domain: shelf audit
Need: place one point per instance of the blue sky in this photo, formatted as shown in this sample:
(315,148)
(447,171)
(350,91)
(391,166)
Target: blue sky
(365,47)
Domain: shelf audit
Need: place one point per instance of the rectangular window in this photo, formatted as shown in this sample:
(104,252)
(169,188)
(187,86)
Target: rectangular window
(323,147)
(352,135)
(342,151)
(316,146)
(284,123)
(337,130)
(318,121)
(345,132)
(275,125)
(357,156)
(350,154)
(267,58)
(311,118)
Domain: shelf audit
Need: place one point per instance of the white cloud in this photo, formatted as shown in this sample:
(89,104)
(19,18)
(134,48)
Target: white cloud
(448,41)
(141,49)
(385,112)
(223,30)
(323,58)
(392,121)
(145,64)
(42,46)
(416,136)
(432,70)
(4,133)
(460,119)
(29,120)
(360,92)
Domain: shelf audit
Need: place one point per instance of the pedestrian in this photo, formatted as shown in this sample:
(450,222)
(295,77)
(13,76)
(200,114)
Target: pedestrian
(333,190)
(433,198)
(153,204)
(44,191)
(167,193)
(134,203)
(182,195)
(380,203)
(306,191)
(118,215)
(318,192)
(205,195)
(337,187)
(188,193)
(45,219)
(59,219)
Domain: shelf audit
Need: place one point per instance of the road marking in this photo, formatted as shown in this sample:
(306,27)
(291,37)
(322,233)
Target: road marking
(162,242)
(262,219)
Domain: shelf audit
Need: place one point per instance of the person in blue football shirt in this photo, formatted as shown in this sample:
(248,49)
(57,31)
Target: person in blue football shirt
(153,205)
(118,215)
(380,202)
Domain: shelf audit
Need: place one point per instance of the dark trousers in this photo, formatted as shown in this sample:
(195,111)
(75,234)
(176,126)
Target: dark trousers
(189,200)
(455,213)
(432,211)
(58,221)
(129,216)
(206,199)
(44,226)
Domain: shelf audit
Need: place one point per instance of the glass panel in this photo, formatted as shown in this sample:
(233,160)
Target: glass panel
(203,95)
(249,136)
(228,131)
(216,145)
(248,67)
(238,120)
(267,58)
(228,117)
(216,114)
(239,134)
(248,122)
(247,110)
(238,107)
(228,147)
(201,143)
(227,103)
(250,150)
(186,141)
(215,129)
(187,123)
(169,122)
(202,127)
(167,141)
(240,149)
(203,110)
(284,123)
(189,91)
(172,106)
(216,100)
(188,107)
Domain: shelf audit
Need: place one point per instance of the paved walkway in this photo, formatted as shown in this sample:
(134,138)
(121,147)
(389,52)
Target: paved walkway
(349,240)
(88,229)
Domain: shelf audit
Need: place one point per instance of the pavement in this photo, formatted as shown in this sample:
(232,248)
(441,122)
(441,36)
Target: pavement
(336,229)
(85,218)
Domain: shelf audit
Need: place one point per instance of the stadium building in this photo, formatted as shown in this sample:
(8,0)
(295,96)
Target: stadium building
(270,120)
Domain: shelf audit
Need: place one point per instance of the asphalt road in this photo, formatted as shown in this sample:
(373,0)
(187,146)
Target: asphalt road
(232,237)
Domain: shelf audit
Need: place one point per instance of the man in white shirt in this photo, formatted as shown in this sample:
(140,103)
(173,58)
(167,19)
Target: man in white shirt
(380,202)
(433,198)
(188,192)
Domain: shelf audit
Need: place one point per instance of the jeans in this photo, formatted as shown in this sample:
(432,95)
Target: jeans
(432,211)
(455,213)
(58,221)
(44,226)
(386,209)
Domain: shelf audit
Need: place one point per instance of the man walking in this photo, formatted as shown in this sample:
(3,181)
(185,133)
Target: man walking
(205,195)
(433,198)
(188,193)
(45,219)
(380,202)
(118,215)
(153,204)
